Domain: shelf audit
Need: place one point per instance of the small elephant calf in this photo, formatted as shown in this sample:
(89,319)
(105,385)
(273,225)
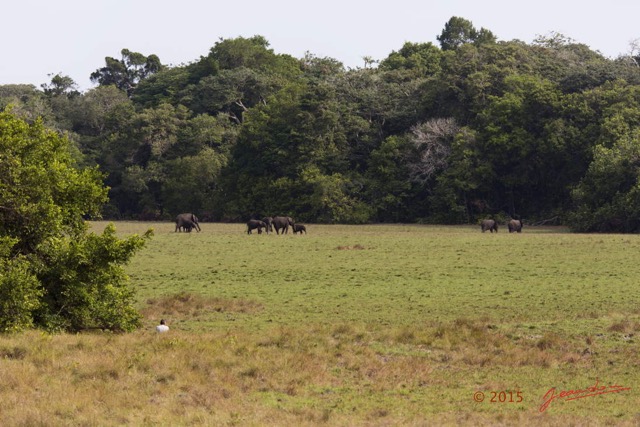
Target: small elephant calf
(299,228)
(187,226)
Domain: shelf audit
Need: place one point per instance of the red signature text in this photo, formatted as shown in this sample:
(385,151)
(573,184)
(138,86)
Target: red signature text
(594,390)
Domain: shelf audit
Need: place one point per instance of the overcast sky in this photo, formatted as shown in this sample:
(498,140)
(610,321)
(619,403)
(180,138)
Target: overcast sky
(72,37)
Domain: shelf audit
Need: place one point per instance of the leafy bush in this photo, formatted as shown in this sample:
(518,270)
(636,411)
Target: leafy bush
(54,273)
(20,291)
(86,286)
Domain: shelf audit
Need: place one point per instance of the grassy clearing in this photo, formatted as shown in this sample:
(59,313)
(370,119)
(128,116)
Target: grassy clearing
(349,325)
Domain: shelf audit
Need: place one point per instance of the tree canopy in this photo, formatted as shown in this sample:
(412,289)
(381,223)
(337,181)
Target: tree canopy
(459,31)
(476,127)
(127,72)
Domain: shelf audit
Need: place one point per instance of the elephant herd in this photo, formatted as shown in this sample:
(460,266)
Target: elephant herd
(514,225)
(186,222)
(277,223)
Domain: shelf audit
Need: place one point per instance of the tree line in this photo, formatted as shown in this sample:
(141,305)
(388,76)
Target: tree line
(548,131)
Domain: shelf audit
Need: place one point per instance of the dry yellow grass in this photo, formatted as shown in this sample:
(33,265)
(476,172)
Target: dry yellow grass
(324,375)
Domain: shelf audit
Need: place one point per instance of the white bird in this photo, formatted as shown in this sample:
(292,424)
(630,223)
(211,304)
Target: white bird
(162,327)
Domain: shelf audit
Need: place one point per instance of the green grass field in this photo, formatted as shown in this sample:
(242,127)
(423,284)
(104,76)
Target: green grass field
(355,325)
(396,276)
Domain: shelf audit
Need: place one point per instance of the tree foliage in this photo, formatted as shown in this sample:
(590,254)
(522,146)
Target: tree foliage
(56,274)
(61,85)
(607,199)
(453,133)
(458,31)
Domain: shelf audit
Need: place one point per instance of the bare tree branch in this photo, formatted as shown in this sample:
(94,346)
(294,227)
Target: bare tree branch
(634,52)
(432,143)
(239,103)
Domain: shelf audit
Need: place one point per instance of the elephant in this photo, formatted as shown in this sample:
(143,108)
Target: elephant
(188,226)
(299,228)
(186,220)
(489,224)
(515,225)
(256,223)
(269,221)
(282,223)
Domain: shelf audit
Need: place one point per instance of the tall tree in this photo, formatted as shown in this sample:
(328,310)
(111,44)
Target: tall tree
(387,188)
(608,197)
(246,73)
(61,85)
(421,58)
(125,73)
(458,31)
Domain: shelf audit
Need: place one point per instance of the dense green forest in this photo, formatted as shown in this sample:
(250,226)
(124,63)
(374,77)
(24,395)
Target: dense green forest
(473,128)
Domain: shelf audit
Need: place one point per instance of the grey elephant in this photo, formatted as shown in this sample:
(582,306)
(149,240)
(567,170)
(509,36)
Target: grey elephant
(269,221)
(299,228)
(256,224)
(282,223)
(187,220)
(489,224)
(515,225)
